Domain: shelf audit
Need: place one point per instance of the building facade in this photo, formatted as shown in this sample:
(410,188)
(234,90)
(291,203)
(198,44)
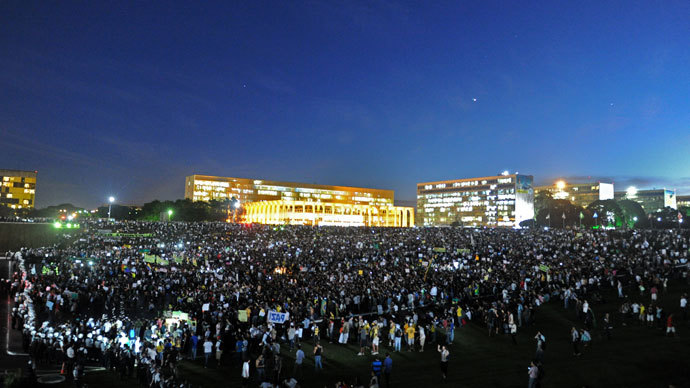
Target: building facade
(18,190)
(683,201)
(580,194)
(207,188)
(492,201)
(650,200)
(276,202)
(282,212)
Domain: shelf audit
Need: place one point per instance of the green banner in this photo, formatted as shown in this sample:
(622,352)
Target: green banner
(544,268)
(439,249)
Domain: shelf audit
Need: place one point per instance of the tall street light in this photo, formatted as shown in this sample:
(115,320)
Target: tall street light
(111,199)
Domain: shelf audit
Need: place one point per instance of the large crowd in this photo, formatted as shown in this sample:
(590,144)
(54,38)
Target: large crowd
(137,297)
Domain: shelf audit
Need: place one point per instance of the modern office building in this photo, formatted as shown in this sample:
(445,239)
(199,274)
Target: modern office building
(275,202)
(580,194)
(18,190)
(650,200)
(502,200)
(683,201)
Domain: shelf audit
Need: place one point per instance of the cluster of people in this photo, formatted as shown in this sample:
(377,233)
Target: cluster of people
(139,296)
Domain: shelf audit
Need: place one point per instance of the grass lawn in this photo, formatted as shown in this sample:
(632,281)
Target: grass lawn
(635,357)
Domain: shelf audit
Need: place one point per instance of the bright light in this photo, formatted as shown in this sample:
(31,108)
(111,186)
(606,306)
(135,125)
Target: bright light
(560,185)
(170,212)
(237,205)
(111,199)
(57,225)
(505,173)
(69,225)
(631,191)
(659,219)
(635,219)
(69,218)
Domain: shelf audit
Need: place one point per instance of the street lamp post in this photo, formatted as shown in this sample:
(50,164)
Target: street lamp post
(111,199)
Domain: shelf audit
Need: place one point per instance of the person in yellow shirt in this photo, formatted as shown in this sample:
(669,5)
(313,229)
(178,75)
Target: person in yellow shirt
(410,337)
(374,338)
(642,313)
(459,314)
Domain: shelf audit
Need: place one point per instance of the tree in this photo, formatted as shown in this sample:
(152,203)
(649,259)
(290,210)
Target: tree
(608,213)
(555,210)
(634,215)
(542,201)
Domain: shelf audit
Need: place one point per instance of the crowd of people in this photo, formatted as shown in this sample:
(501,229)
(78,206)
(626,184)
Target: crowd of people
(137,297)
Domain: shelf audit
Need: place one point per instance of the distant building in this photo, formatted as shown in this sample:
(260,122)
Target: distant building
(580,194)
(683,201)
(275,202)
(502,200)
(651,200)
(18,190)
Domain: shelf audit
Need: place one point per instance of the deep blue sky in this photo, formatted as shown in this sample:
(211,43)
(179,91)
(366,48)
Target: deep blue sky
(128,100)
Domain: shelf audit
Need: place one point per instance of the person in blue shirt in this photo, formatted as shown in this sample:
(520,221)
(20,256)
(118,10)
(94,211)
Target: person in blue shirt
(377,367)
(195,343)
(239,348)
(387,369)
(299,360)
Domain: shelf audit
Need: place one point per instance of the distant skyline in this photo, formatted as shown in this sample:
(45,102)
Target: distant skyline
(128,99)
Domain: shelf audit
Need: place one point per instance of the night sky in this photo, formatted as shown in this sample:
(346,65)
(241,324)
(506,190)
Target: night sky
(123,100)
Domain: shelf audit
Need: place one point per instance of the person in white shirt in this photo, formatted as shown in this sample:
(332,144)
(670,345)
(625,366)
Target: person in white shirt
(245,373)
(208,350)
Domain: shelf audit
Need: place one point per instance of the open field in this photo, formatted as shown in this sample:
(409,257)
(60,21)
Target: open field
(636,357)
(15,235)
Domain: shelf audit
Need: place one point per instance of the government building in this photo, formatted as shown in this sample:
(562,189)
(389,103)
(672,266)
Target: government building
(579,194)
(18,190)
(651,200)
(276,203)
(502,200)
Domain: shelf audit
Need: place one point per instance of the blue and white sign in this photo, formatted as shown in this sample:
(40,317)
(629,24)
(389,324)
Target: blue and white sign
(276,317)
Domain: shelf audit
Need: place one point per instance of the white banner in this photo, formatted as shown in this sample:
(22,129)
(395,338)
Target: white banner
(276,317)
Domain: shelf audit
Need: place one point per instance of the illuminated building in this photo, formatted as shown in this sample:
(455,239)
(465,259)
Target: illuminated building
(683,201)
(650,200)
(503,200)
(327,213)
(275,202)
(18,190)
(579,194)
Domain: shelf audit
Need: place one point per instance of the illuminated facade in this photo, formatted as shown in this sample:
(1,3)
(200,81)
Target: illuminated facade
(273,202)
(206,188)
(327,213)
(18,190)
(651,200)
(683,201)
(504,200)
(580,194)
